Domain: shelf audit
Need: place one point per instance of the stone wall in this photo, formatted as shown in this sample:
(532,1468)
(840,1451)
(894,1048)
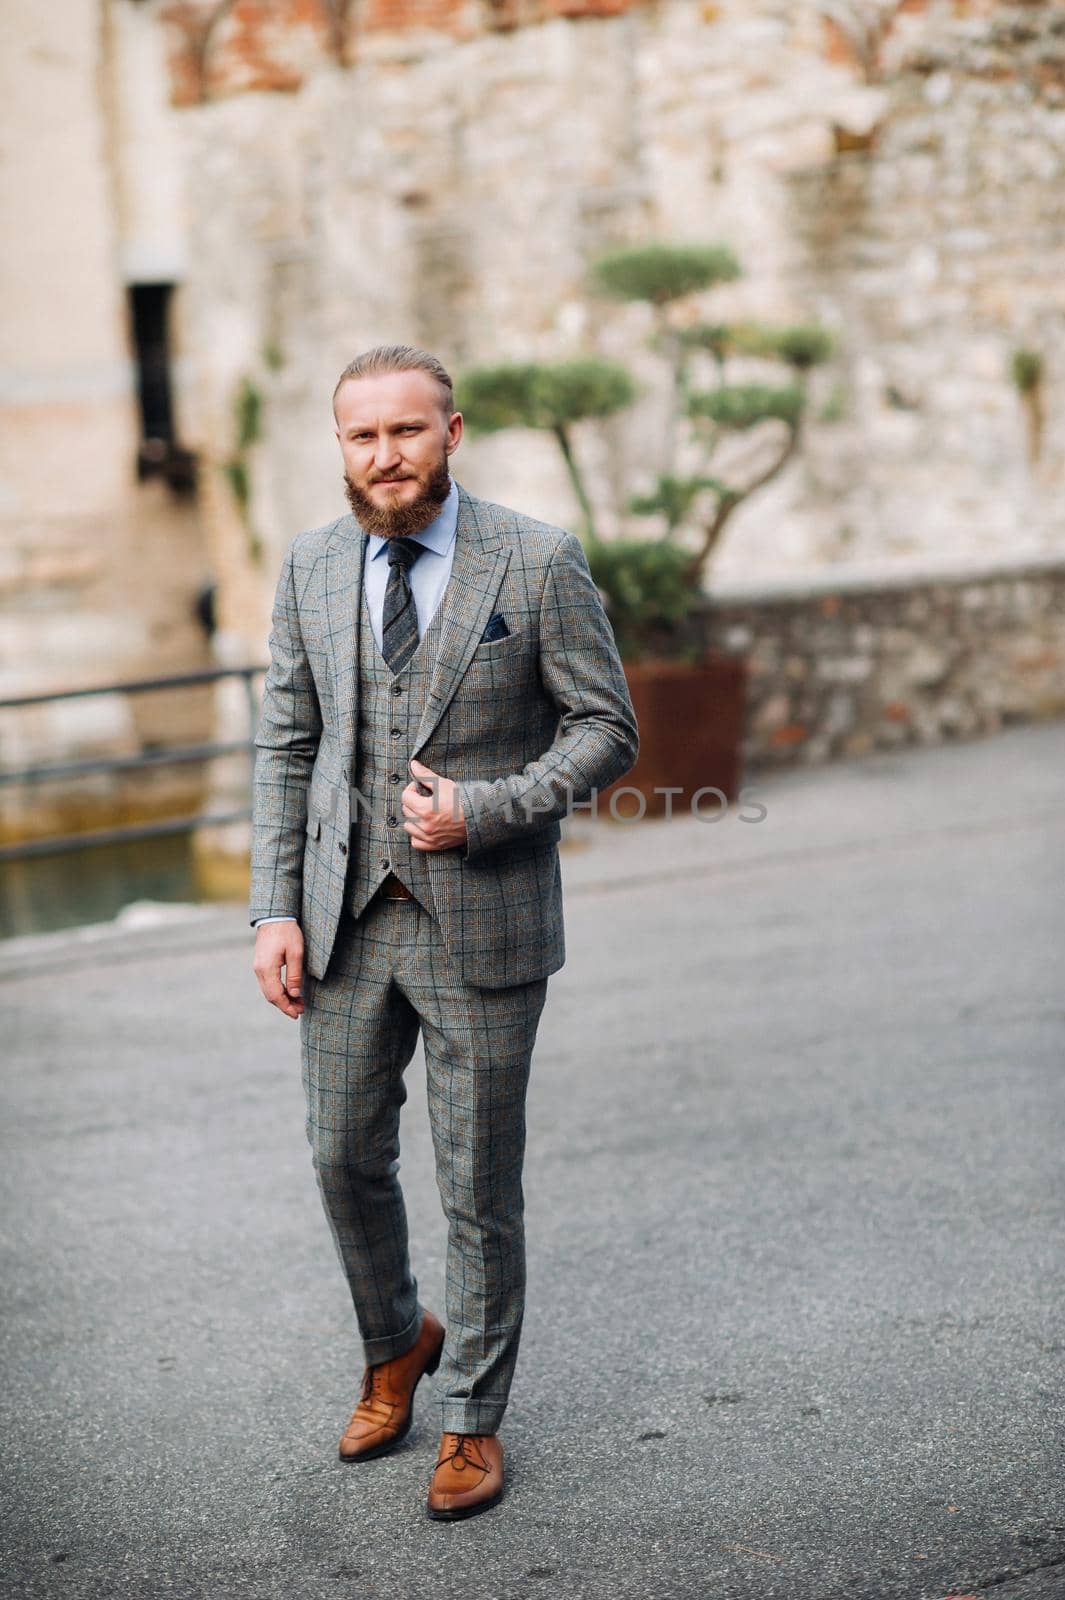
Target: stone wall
(443,173)
(842,669)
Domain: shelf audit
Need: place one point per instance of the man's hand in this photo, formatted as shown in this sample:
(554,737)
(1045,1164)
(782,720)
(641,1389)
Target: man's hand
(434,820)
(277,945)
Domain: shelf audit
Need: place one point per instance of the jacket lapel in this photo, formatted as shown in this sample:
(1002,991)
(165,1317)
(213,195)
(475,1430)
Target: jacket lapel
(480,560)
(344,564)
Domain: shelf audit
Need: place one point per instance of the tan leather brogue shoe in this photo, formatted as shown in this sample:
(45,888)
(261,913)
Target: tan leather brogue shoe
(468,1476)
(386,1405)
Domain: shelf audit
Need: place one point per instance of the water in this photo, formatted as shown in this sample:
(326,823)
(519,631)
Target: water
(74,887)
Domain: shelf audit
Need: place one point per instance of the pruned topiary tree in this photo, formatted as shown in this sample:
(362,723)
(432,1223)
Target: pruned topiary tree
(695,506)
(549,397)
(648,594)
(661,275)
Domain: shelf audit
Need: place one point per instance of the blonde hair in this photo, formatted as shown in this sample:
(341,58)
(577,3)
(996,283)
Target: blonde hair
(399,358)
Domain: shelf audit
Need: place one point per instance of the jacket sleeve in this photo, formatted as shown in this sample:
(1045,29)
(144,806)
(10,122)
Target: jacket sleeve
(286,742)
(596,741)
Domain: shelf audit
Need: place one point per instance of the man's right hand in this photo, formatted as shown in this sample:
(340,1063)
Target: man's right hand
(277,945)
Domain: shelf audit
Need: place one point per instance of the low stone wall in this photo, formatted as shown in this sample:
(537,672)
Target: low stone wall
(843,666)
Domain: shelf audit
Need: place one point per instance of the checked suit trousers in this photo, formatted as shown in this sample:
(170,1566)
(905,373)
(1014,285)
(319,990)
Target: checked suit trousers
(388,978)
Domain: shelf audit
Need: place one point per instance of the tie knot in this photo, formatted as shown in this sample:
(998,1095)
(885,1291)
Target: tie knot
(404,551)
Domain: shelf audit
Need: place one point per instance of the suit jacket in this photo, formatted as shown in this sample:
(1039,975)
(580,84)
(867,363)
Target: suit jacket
(527,724)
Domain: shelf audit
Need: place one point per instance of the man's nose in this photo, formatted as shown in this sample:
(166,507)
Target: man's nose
(387,454)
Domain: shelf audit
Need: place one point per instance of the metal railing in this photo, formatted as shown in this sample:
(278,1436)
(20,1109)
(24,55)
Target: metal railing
(171,755)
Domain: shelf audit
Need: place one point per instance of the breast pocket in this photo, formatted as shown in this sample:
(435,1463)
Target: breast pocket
(499,664)
(514,640)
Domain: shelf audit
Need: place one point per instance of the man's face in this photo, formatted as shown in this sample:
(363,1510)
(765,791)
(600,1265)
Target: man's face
(395,439)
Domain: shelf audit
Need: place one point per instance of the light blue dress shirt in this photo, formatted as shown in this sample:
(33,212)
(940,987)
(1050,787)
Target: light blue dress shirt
(428,578)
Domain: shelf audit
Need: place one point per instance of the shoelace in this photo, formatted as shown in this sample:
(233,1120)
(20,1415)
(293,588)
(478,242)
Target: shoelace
(369,1397)
(460,1450)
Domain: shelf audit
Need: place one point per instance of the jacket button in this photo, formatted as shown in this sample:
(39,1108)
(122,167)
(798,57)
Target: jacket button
(392,821)
(343,849)
(394,732)
(386,863)
(397,688)
(393,777)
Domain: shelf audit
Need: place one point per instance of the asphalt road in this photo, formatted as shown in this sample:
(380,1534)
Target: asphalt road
(794,1206)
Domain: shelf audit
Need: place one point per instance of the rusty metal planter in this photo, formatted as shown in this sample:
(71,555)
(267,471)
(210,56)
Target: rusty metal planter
(691,722)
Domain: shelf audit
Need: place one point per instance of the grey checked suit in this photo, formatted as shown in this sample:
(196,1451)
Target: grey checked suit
(526,725)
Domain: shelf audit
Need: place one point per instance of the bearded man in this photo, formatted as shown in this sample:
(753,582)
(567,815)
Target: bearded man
(443,687)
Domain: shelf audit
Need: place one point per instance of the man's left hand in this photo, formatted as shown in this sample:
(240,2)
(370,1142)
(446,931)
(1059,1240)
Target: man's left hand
(434,821)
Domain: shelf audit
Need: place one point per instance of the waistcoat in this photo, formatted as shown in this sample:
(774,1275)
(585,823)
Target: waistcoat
(390,709)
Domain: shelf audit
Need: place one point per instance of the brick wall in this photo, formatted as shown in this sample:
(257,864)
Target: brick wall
(225,47)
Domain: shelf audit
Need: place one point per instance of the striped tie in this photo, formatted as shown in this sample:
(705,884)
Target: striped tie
(399,622)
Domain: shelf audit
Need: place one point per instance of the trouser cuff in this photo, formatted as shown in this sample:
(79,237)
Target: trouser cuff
(393,1344)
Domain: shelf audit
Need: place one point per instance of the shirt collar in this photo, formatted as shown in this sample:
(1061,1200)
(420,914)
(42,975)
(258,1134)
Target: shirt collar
(439,534)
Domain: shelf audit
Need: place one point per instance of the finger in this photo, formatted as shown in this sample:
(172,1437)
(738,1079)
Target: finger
(267,966)
(436,800)
(273,989)
(294,972)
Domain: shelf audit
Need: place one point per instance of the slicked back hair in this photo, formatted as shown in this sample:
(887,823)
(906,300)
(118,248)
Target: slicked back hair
(399,358)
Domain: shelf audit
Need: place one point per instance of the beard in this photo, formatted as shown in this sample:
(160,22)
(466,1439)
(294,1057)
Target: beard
(396,522)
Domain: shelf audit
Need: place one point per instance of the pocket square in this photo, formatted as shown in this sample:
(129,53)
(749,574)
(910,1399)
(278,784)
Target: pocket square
(495,628)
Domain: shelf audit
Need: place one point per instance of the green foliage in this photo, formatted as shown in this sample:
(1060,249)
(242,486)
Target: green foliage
(248,409)
(802,346)
(1026,368)
(491,398)
(236,472)
(674,497)
(248,415)
(742,405)
(663,272)
(541,396)
(273,355)
(716,337)
(648,590)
